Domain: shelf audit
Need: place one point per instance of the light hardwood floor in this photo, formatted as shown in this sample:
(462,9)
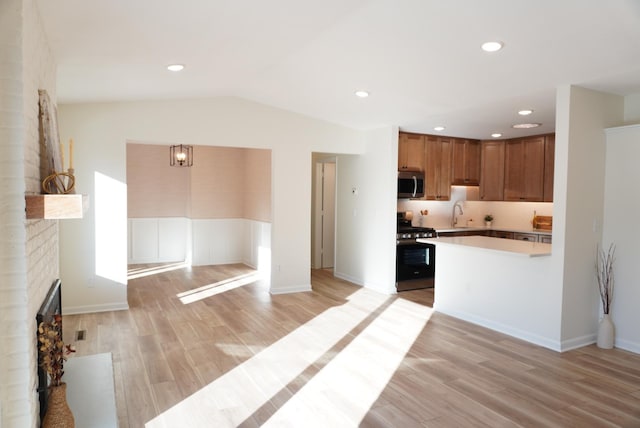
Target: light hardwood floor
(338,356)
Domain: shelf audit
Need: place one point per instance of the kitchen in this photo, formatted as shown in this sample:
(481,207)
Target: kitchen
(462,224)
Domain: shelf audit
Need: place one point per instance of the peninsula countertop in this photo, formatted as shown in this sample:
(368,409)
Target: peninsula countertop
(507,246)
(483,229)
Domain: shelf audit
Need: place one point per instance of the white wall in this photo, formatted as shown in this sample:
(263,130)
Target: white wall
(632,109)
(621,206)
(513,294)
(366,221)
(582,116)
(100,132)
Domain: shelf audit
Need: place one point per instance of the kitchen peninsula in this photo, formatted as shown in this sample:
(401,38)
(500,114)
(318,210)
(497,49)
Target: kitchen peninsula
(501,284)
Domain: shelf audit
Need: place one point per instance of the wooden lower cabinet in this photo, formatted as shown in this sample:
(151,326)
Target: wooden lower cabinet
(531,237)
(545,239)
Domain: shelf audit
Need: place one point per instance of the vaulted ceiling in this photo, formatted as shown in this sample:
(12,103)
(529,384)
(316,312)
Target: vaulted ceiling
(420,59)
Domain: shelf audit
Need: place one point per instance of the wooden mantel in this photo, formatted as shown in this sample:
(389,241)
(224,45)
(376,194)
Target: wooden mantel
(56,206)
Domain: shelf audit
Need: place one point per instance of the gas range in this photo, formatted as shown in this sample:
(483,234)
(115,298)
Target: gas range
(406,234)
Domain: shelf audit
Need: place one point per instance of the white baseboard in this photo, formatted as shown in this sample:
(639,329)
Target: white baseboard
(289,290)
(89,309)
(578,342)
(502,328)
(627,345)
(345,277)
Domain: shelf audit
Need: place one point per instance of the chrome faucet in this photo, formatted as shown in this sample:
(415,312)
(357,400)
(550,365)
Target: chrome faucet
(454,219)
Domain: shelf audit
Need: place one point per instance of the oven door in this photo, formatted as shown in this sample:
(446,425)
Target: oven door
(415,265)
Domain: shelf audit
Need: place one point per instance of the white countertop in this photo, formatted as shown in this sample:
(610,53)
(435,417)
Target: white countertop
(509,246)
(501,229)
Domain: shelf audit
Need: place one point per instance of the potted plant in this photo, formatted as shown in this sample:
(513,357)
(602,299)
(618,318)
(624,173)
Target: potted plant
(604,277)
(53,355)
(488,219)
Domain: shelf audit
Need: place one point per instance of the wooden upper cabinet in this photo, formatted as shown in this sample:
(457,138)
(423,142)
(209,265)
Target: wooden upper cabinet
(465,162)
(549,161)
(492,155)
(410,152)
(438,168)
(524,169)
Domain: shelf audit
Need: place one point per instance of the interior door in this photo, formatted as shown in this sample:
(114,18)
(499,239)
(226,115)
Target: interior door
(328,214)
(323,240)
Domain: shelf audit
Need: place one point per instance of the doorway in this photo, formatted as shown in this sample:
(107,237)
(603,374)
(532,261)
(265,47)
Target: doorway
(324,213)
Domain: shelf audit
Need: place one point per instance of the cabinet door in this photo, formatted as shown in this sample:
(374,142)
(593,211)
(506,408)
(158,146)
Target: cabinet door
(410,152)
(492,170)
(524,169)
(514,170)
(438,168)
(465,162)
(444,183)
(531,237)
(549,161)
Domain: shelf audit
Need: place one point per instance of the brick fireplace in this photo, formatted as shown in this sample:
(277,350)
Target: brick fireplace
(28,248)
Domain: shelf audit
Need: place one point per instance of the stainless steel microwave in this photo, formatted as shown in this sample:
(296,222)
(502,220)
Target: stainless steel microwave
(410,184)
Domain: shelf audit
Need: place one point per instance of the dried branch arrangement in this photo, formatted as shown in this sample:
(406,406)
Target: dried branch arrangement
(604,275)
(54,351)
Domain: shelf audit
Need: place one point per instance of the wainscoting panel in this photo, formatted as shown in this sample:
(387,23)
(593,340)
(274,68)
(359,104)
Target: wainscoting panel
(208,241)
(257,249)
(218,241)
(143,240)
(157,240)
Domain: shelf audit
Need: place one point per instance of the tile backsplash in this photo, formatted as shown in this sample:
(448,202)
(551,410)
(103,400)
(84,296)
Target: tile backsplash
(507,215)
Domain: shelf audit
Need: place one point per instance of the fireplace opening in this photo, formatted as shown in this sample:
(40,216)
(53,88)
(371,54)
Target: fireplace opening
(51,306)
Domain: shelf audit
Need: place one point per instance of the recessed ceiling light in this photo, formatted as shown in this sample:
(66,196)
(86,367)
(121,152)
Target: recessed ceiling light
(492,46)
(362,94)
(439,128)
(175,67)
(526,125)
(496,135)
(525,112)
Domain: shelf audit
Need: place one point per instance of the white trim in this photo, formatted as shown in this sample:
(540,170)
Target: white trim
(627,345)
(502,328)
(577,342)
(289,290)
(621,128)
(88,309)
(348,278)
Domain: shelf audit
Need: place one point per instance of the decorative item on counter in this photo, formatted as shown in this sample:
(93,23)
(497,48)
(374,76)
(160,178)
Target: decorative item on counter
(488,218)
(604,276)
(542,222)
(423,217)
(54,354)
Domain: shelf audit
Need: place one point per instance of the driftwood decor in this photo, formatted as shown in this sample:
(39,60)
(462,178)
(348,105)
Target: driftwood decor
(56,179)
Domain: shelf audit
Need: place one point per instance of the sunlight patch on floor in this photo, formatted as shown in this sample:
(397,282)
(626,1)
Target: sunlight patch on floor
(217,287)
(236,395)
(240,351)
(134,273)
(351,383)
